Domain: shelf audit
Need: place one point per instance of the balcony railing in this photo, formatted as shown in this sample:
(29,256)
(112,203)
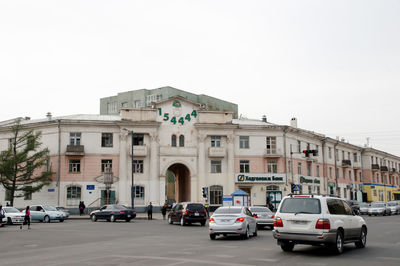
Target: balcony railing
(384,169)
(270,153)
(216,152)
(75,150)
(346,163)
(375,167)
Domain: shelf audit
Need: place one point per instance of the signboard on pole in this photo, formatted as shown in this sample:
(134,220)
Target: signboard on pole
(227,201)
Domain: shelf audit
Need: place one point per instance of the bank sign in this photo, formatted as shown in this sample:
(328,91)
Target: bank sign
(260,178)
(309,180)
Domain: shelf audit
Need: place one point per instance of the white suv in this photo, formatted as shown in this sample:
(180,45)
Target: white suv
(317,220)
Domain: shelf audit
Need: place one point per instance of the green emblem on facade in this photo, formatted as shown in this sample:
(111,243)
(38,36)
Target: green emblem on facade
(176,103)
(241,178)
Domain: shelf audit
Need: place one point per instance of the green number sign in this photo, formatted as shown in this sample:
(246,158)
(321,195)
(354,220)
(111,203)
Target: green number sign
(173,120)
(166,117)
(181,120)
(187,117)
(194,113)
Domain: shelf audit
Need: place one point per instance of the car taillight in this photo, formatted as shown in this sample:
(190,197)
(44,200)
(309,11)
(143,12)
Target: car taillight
(240,220)
(278,222)
(211,220)
(255,216)
(273,216)
(323,224)
(186,212)
(121,212)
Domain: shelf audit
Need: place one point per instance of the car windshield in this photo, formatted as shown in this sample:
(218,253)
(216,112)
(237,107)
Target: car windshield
(379,205)
(228,210)
(392,204)
(119,207)
(195,207)
(11,210)
(49,208)
(301,205)
(260,209)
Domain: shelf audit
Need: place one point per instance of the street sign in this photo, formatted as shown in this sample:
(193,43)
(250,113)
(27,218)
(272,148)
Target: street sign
(89,187)
(295,187)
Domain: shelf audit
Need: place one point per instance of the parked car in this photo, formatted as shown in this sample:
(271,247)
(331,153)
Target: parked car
(394,207)
(64,210)
(379,208)
(364,207)
(318,220)
(112,213)
(46,213)
(13,215)
(355,206)
(232,220)
(264,216)
(188,213)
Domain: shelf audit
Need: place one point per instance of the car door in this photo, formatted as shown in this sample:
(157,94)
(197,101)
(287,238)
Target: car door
(101,213)
(354,230)
(338,217)
(34,214)
(178,213)
(251,221)
(40,213)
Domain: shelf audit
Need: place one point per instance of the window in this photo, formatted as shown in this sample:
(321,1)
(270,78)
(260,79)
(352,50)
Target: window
(244,142)
(337,173)
(181,141)
(361,179)
(299,168)
(317,170)
(48,165)
(28,196)
(372,159)
(139,192)
(73,195)
(173,141)
(106,139)
(137,104)
(355,157)
(309,169)
(350,175)
(308,146)
(344,174)
(342,155)
(335,207)
(215,141)
(272,166)
(112,107)
(299,146)
(74,165)
(138,139)
(244,166)
(271,145)
(216,166)
(296,205)
(104,164)
(137,166)
(74,138)
(348,156)
(216,193)
(10,143)
(330,172)
(330,152)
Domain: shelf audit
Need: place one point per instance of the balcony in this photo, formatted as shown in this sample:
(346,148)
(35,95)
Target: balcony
(272,153)
(384,169)
(357,165)
(140,150)
(346,163)
(75,150)
(375,167)
(216,152)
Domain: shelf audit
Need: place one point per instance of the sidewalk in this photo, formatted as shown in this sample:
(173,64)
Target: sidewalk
(139,216)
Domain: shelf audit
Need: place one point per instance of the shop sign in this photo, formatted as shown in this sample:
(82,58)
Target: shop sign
(309,180)
(260,178)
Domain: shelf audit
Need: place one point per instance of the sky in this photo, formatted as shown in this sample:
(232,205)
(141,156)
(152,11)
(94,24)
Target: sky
(334,65)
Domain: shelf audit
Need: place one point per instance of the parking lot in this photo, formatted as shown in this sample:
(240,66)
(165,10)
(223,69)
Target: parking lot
(155,242)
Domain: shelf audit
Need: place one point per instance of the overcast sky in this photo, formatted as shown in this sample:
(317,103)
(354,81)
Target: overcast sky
(335,65)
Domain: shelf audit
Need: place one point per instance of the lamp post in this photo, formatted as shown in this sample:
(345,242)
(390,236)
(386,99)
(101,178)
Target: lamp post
(132,178)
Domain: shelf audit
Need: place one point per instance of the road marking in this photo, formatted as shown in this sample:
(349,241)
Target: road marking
(222,256)
(266,260)
(388,258)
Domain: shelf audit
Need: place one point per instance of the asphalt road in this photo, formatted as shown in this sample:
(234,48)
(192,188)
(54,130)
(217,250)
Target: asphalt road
(142,242)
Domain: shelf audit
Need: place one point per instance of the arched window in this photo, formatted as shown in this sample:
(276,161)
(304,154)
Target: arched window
(173,141)
(139,195)
(216,193)
(181,141)
(73,195)
(272,188)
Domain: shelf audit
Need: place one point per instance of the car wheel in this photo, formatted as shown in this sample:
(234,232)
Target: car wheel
(362,242)
(212,236)
(369,214)
(247,234)
(93,218)
(182,222)
(203,223)
(112,218)
(61,220)
(338,246)
(170,220)
(127,220)
(287,246)
(46,219)
(9,221)
(255,232)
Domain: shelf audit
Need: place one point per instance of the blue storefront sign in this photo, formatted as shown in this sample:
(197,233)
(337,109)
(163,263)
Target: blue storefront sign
(51,190)
(89,187)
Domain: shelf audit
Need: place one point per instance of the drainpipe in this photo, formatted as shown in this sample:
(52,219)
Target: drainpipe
(336,172)
(284,153)
(362,174)
(59,162)
(323,140)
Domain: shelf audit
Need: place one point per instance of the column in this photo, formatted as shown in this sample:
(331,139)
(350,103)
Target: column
(231,165)
(123,173)
(201,172)
(154,171)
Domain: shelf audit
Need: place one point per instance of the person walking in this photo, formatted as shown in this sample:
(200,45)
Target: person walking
(81,208)
(164,210)
(150,211)
(27,219)
(2,215)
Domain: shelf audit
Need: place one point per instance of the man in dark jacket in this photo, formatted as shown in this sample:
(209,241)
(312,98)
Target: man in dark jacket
(150,212)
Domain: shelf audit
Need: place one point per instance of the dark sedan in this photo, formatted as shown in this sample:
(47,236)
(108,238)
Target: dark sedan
(112,213)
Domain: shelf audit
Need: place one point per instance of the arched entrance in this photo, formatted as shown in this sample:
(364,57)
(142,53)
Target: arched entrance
(177,185)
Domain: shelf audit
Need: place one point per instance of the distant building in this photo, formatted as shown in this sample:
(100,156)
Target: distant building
(143,98)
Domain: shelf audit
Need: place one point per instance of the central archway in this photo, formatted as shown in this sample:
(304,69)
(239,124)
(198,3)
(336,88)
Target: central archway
(177,185)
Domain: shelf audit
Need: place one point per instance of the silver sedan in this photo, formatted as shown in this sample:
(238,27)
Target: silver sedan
(263,215)
(232,220)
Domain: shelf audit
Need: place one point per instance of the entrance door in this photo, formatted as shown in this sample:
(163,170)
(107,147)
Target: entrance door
(107,200)
(274,194)
(177,185)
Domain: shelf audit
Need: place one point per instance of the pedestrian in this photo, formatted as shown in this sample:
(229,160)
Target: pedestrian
(207,206)
(8,204)
(81,207)
(164,210)
(27,219)
(150,211)
(2,215)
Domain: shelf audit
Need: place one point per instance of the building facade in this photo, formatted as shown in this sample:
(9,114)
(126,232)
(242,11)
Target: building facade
(175,148)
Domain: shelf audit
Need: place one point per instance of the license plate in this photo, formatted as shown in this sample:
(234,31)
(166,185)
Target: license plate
(299,222)
(129,215)
(196,214)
